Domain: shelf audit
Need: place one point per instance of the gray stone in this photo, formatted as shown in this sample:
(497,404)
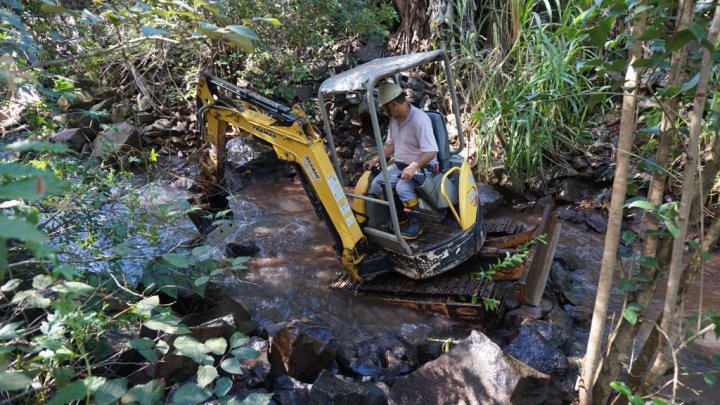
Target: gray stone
(560,279)
(568,191)
(289,391)
(74,138)
(476,371)
(383,358)
(302,349)
(332,390)
(597,222)
(531,347)
(578,313)
(517,315)
(562,325)
(372,50)
(488,197)
(115,139)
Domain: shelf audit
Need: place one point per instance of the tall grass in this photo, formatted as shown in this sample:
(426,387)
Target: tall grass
(528,99)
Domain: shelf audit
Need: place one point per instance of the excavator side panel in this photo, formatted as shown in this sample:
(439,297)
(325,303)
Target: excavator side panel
(467,197)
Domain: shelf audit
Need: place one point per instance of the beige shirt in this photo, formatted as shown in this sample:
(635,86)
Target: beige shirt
(412,137)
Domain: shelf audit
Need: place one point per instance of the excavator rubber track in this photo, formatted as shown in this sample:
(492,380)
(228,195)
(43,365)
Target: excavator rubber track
(459,296)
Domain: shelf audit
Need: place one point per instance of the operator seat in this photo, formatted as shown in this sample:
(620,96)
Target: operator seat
(441,137)
(430,189)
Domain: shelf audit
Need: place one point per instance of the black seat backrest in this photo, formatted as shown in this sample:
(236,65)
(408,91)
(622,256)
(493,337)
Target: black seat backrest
(441,137)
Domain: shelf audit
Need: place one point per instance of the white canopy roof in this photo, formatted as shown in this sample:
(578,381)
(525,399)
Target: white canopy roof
(357,78)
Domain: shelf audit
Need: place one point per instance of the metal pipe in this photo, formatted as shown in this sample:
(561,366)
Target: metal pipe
(329,138)
(383,165)
(455,103)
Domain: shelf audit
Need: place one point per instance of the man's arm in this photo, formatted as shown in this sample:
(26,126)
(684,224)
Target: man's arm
(419,163)
(388,148)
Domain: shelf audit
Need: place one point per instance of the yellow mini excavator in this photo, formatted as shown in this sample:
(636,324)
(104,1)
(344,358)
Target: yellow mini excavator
(379,262)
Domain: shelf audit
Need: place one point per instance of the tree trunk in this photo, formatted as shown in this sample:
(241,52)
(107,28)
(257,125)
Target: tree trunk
(663,359)
(612,236)
(622,341)
(413,35)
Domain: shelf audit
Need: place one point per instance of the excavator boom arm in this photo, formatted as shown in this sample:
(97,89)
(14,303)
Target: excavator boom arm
(293,140)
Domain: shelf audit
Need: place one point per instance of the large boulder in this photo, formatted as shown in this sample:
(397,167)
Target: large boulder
(302,349)
(74,138)
(289,391)
(476,371)
(115,139)
(383,357)
(336,390)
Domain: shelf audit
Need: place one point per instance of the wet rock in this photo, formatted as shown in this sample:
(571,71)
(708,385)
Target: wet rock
(531,347)
(476,371)
(383,358)
(568,191)
(302,349)
(223,326)
(373,49)
(246,248)
(570,214)
(560,277)
(174,368)
(578,313)
(488,197)
(268,329)
(546,305)
(429,351)
(74,138)
(562,325)
(597,222)
(304,92)
(289,391)
(580,163)
(517,315)
(115,139)
(335,390)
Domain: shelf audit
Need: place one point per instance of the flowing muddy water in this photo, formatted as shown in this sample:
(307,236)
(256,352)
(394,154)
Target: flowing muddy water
(288,277)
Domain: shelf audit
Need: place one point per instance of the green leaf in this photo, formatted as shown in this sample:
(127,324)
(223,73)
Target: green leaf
(42,281)
(621,387)
(646,205)
(14,380)
(11,285)
(13,228)
(73,288)
(242,30)
(201,281)
(167,323)
(239,41)
(238,339)
(599,32)
(145,394)
(32,298)
(244,353)
(649,261)
(630,315)
(142,343)
(222,386)
(188,346)
(177,260)
(232,366)
(206,375)
(75,391)
(146,305)
(690,83)
(679,40)
(189,394)
(650,34)
(672,227)
(37,146)
(7,332)
(710,379)
(636,307)
(149,31)
(216,345)
(272,21)
(628,237)
(110,391)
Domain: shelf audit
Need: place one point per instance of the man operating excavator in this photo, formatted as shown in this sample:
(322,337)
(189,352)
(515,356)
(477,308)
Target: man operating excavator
(410,138)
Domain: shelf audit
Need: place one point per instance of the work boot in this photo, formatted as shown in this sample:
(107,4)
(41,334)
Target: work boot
(412,230)
(401,221)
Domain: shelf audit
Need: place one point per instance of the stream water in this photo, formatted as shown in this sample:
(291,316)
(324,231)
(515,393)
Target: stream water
(288,277)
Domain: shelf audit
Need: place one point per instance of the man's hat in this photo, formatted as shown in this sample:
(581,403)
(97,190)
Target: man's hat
(388,92)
